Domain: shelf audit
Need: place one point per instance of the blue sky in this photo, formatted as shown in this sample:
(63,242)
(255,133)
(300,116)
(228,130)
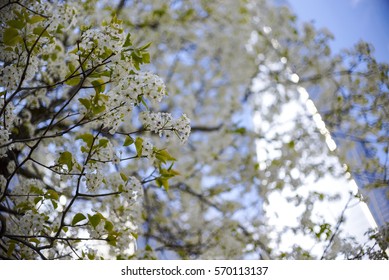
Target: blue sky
(349,21)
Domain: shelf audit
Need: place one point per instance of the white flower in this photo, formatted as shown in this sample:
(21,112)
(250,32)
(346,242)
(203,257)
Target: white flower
(3,183)
(106,152)
(4,138)
(163,123)
(10,76)
(155,122)
(133,189)
(149,85)
(116,159)
(147,149)
(98,231)
(31,223)
(114,181)
(182,126)
(11,166)
(93,181)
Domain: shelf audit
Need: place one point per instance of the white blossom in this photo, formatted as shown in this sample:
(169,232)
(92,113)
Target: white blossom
(98,231)
(94,181)
(32,223)
(132,190)
(10,77)
(11,166)
(164,124)
(4,139)
(3,183)
(147,84)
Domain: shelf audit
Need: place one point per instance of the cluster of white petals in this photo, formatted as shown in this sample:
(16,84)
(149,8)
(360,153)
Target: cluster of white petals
(31,222)
(149,85)
(133,189)
(4,139)
(164,124)
(3,183)
(148,149)
(10,76)
(93,181)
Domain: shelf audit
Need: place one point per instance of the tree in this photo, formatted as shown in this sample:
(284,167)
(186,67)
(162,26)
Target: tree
(98,156)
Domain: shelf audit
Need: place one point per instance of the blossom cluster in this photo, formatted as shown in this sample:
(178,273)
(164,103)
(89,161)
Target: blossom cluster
(149,85)
(148,149)
(106,152)
(130,87)
(127,91)
(55,66)
(27,186)
(97,232)
(132,189)
(3,183)
(10,76)
(182,127)
(95,39)
(4,138)
(163,123)
(32,222)
(93,181)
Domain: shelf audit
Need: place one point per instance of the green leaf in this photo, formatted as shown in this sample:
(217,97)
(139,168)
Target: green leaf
(163,182)
(18,24)
(240,130)
(98,109)
(55,203)
(168,173)
(87,138)
(11,37)
(111,239)
(144,47)
(164,156)
(137,53)
(52,194)
(71,66)
(67,159)
(103,142)
(173,172)
(108,226)
(11,248)
(73,81)
(146,58)
(95,219)
(40,31)
(37,199)
(23,206)
(85,102)
(123,176)
(35,19)
(78,218)
(128,141)
(139,146)
(98,85)
(36,190)
(137,60)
